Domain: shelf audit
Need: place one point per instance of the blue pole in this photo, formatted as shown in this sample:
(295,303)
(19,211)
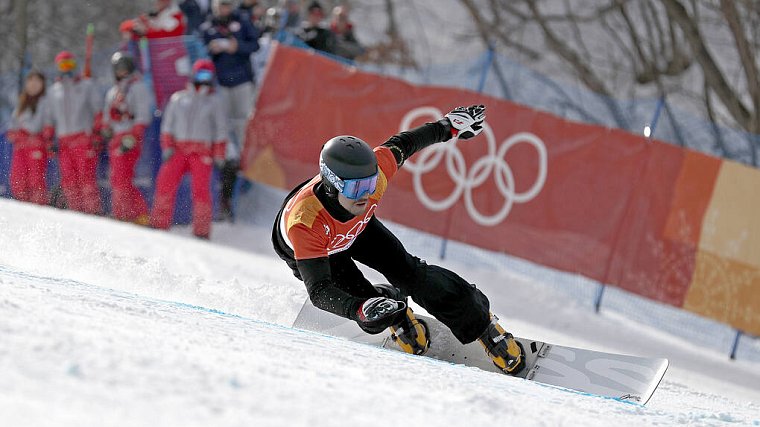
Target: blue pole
(486,67)
(736,344)
(656,118)
(481,85)
(599,295)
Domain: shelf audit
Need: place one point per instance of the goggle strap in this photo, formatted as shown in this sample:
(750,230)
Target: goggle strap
(332,178)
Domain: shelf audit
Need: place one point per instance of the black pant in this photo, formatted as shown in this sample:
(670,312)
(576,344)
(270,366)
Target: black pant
(449,298)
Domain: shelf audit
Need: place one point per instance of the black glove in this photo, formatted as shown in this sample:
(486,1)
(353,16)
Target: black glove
(467,122)
(378,313)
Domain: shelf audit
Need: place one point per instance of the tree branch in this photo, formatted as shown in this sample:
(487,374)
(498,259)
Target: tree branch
(747,58)
(713,75)
(486,30)
(582,69)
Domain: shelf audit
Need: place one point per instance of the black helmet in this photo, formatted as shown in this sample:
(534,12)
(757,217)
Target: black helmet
(345,157)
(123,61)
(348,157)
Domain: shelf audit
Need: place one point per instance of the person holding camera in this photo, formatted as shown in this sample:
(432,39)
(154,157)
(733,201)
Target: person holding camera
(231,40)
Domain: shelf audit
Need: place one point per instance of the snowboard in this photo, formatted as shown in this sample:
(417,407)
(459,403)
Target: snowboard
(626,378)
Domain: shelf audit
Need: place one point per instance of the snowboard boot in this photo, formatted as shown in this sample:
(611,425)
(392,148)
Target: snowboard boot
(411,334)
(505,352)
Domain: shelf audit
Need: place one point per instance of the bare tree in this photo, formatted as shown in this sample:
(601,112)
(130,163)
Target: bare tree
(621,48)
(394,49)
(52,26)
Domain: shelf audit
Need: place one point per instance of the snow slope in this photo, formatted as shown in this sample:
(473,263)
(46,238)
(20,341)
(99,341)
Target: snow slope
(108,324)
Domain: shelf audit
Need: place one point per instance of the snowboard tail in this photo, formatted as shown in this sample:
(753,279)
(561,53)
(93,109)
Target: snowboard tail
(625,378)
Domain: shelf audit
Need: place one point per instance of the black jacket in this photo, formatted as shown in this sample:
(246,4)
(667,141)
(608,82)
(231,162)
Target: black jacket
(315,272)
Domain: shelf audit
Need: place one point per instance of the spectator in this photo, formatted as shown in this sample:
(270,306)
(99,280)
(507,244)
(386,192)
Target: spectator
(231,41)
(290,15)
(196,12)
(164,20)
(75,114)
(29,146)
(130,41)
(342,28)
(126,115)
(314,33)
(193,138)
(253,12)
(272,20)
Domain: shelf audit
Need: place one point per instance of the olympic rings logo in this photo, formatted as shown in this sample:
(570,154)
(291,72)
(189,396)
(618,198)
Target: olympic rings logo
(468,180)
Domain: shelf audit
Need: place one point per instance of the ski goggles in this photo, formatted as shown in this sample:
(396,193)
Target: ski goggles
(203,77)
(354,188)
(67,65)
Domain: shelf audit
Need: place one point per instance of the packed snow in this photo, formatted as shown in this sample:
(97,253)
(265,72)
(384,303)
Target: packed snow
(109,324)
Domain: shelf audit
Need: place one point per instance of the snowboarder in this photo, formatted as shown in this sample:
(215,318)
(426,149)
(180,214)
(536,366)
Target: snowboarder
(126,115)
(193,139)
(326,224)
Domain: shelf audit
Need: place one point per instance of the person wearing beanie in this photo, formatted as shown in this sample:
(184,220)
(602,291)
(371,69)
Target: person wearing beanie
(75,112)
(193,140)
(314,32)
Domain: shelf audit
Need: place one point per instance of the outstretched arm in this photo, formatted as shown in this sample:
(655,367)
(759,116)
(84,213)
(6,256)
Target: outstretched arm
(403,145)
(461,122)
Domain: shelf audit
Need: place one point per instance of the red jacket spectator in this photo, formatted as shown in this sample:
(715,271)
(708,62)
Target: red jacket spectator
(165,20)
(193,139)
(126,115)
(29,161)
(75,112)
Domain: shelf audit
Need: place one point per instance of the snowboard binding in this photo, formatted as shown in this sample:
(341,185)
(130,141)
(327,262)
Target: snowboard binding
(411,334)
(505,352)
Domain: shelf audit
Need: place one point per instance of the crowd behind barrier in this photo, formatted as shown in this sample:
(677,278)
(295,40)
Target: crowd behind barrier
(165,42)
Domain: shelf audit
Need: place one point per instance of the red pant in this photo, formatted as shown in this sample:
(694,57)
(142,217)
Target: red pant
(127,203)
(79,160)
(167,182)
(28,174)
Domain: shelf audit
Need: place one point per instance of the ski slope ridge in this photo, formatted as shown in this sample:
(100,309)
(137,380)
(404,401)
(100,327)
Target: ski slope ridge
(108,324)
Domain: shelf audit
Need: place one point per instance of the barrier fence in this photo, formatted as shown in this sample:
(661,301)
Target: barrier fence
(649,217)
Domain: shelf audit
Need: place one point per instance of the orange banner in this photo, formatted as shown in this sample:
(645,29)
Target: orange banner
(601,202)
